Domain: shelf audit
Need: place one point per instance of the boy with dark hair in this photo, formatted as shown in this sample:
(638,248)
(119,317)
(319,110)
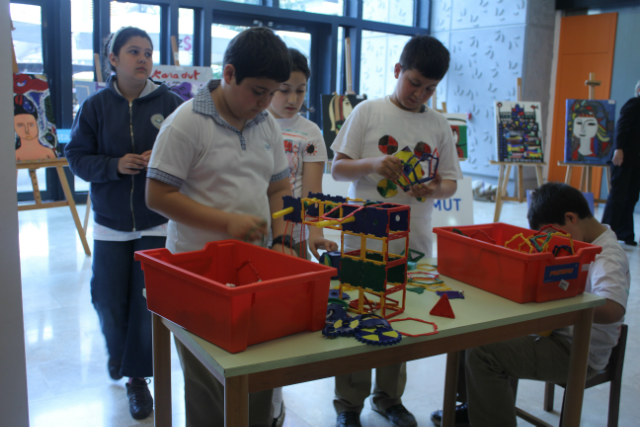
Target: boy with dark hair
(488,368)
(404,118)
(218,171)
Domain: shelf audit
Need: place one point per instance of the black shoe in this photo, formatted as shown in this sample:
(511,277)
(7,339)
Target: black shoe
(114,369)
(631,242)
(462,416)
(348,419)
(140,400)
(398,416)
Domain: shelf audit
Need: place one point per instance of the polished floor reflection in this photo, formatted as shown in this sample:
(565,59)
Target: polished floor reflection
(66,355)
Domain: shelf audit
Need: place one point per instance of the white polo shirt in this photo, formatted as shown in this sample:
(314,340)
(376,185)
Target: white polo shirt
(217,165)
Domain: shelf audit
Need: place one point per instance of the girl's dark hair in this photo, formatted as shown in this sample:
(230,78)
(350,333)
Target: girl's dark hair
(552,201)
(427,55)
(299,62)
(121,36)
(258,52)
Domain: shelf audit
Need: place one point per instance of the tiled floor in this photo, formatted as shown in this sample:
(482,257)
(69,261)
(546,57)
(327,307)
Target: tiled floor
(66,357)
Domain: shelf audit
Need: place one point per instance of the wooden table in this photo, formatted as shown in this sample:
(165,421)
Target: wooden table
(481,318)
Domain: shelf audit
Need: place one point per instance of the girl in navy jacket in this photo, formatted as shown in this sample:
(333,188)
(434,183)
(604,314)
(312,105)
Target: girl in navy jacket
(111,141)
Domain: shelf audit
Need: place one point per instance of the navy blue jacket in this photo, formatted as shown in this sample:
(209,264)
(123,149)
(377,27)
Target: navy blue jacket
(105,129)
(628,131)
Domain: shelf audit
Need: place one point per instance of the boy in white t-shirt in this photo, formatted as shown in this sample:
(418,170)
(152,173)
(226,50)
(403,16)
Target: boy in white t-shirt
(360,147)
(490,400)
(218,171)
(304,147)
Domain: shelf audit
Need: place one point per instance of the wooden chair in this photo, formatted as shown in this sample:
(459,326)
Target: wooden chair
(612,373)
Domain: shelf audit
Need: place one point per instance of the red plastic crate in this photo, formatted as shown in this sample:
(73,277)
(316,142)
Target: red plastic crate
(511,274)
(190,289)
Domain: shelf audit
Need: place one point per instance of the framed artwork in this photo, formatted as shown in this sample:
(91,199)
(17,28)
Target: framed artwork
(33,118)
(186,90)
(178,73)
(458,123)
(335,110)
(84,89)
(519,131)
(589,133)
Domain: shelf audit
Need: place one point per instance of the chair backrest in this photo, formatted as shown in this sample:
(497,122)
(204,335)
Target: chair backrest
(616,361)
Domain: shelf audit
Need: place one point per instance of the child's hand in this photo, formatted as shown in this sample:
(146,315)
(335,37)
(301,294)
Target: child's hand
(246,227)
(389,167)
(132,164)
(320,242)
(284,249)
(146,155)
(429,190)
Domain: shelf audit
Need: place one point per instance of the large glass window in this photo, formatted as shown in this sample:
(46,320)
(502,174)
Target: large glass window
(258,2)
(27,37)
(380,53)
(340,64)
(399,12)
(143,16)
(221,35)
(185,30)
(326,7)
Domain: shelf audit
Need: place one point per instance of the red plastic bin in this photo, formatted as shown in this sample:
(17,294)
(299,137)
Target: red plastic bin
(509,273)
(190,290)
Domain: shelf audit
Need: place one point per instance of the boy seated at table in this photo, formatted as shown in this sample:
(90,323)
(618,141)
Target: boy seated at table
(490,400)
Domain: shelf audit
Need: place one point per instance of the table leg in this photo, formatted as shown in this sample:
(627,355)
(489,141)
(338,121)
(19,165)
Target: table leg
(521,194)
(539,177)
(578,369)
(450,385)
(161,372)
(236,401)
(567,178)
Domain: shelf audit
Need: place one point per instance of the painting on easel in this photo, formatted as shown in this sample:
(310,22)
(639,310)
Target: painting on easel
(519,131)
(185,90)
(335,110)
(458,123)
(33,118)
(589,133)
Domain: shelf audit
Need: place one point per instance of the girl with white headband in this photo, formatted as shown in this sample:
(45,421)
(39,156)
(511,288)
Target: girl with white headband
(111,141)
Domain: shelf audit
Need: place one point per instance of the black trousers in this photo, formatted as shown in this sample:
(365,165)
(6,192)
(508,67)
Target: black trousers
(623,196)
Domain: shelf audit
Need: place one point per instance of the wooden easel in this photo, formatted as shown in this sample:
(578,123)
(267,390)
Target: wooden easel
(59,164)
(587,169)
(503,178)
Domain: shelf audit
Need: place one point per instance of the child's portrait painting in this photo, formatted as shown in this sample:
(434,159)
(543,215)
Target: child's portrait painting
(589,134)
(33,118)
(335,110)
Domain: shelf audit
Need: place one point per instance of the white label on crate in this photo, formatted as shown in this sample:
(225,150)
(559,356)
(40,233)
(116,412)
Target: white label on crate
(564,285)
(586,267)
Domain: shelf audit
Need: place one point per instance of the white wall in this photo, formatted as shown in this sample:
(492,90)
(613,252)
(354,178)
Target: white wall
(14,410)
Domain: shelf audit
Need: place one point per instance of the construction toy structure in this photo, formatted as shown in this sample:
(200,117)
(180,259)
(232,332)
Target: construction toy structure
(376,275)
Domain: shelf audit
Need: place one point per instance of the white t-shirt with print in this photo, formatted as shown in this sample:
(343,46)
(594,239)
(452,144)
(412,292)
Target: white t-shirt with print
(608,278)
(215,169)
(359,137)
(303,143)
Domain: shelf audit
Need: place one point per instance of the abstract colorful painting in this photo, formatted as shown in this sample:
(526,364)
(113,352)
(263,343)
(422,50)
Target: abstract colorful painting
(519,131)
(33,118)
(589,135)
(335,110)
(458,123)
(186,90)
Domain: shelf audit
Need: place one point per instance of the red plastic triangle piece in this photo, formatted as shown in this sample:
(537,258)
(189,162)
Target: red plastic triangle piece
(443,308)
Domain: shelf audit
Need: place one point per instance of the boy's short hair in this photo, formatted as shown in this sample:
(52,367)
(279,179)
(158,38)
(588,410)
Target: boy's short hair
(427,55)
(258,52)
(299,62)
(552,201)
